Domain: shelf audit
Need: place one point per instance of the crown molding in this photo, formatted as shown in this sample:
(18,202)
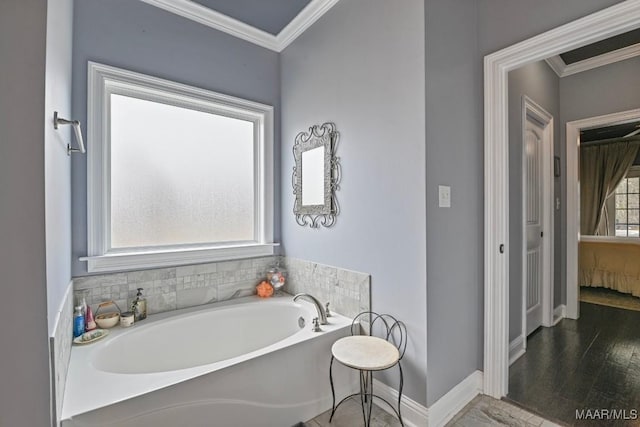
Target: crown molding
(563,70)
(209,17)
(557,64)
(298,25)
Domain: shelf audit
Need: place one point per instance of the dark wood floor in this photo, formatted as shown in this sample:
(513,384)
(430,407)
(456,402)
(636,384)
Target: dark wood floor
(592,363)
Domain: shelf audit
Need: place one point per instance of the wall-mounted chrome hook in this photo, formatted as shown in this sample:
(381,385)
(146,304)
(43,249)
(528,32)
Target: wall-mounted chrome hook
(76,128)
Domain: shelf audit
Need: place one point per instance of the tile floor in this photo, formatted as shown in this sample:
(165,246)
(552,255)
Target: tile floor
(350,415)
(483,411)
(487,411)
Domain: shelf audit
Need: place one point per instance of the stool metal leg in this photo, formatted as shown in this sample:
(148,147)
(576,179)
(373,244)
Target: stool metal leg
(333,391)
(363,396)
(366,396)
(370,384)
(400,393)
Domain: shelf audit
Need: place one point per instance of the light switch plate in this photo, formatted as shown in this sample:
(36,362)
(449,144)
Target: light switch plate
(444,196)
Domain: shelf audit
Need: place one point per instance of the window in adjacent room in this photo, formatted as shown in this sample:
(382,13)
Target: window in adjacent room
(176,174)
(627,202)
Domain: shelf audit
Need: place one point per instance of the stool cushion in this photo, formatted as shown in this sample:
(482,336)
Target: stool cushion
(365,352)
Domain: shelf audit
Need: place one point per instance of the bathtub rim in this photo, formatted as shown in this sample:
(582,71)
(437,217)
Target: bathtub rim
(89,388)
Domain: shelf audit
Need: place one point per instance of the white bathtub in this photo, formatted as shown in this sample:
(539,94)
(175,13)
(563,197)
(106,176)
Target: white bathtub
(240,363)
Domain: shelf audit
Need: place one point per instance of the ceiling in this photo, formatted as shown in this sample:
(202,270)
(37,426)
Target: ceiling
(267,15)
(608,132)
(608,51)
(604,46)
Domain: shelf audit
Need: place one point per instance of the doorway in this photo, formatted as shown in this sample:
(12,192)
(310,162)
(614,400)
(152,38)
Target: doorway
(573,196)
(604,24)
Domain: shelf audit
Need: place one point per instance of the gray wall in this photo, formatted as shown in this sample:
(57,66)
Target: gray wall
(57,164)
(453,157)
(459,34)
(610,89)
(142,38)
(362,66)
(24,364)
(540,83)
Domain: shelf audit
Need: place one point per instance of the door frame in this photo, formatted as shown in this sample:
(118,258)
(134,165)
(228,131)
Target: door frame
(573,196)
(606,23)
(531,109)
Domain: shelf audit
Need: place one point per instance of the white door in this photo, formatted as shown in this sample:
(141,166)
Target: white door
(533,185)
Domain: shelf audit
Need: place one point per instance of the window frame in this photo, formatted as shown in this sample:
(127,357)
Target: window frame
(103,81)
(634,172)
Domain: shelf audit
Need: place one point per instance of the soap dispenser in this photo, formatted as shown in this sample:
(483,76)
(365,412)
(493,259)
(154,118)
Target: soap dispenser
(139,306)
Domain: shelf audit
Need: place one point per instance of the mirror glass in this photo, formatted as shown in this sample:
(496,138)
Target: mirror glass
(313,177)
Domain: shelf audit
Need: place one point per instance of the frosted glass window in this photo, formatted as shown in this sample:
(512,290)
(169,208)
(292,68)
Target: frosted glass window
(179,176)
(176,174)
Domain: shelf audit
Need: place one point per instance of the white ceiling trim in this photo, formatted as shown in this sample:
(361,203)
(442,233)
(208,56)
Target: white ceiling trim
(298,25)
(203,15)
(563,70)
(557,64)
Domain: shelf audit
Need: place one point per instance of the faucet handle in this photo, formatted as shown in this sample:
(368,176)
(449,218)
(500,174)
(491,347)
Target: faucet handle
(326,310)
(316,325)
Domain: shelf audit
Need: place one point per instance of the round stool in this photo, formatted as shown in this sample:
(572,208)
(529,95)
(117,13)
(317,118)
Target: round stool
(368,354)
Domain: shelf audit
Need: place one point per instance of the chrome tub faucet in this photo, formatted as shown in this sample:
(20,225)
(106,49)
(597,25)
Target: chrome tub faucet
(322,315)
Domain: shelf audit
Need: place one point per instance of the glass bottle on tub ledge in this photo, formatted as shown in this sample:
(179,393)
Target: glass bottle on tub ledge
(139,306)
(276,276)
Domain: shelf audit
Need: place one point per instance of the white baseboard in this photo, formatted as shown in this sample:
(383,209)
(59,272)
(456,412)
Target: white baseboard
(457,398)
(413,413)
(559,313)
(438,414)
(516,349)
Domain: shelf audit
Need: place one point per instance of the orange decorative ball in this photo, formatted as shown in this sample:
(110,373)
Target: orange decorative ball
(264,289)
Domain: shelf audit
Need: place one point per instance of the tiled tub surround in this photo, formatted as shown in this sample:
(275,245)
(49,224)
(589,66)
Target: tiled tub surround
(174,288)
(60,349)
(349,292)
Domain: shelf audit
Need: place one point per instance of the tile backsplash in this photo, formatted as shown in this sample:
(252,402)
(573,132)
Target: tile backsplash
(348,292)
(174,288)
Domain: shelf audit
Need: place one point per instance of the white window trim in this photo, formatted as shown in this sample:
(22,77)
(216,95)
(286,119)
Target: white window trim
(104,80)
(634,172)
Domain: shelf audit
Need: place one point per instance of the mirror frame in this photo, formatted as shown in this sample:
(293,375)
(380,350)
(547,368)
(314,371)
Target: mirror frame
(324,214)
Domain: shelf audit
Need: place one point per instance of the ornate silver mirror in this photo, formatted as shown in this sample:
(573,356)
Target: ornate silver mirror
(316,176)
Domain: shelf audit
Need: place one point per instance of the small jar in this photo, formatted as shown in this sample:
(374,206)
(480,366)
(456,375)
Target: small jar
(126,319)
(276,277)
